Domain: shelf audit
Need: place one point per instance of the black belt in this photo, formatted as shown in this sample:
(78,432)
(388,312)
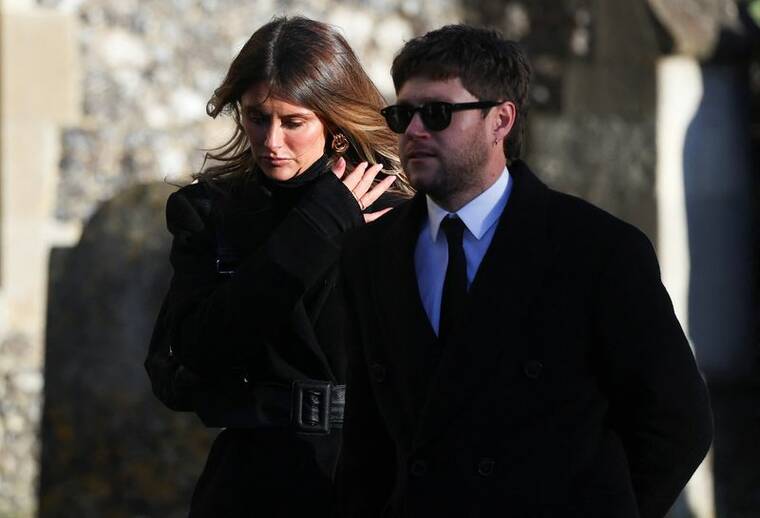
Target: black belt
(307,406)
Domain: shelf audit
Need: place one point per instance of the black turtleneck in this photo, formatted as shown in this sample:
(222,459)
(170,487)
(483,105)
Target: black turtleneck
(313,172)
(319,196)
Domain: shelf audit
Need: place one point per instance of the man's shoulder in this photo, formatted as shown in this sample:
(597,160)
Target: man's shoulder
(574,215)
(579,229)
(589,237)
(564,211)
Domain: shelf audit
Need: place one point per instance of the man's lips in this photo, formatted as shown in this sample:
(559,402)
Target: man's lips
(419,153)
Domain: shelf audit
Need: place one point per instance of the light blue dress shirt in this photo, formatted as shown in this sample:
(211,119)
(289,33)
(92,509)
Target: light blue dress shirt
(431,255)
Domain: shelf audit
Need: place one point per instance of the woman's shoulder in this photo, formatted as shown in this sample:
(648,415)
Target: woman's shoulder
(193,205)
(190,206)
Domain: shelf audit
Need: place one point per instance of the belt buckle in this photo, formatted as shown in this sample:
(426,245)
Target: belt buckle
(225,266)
(310,409)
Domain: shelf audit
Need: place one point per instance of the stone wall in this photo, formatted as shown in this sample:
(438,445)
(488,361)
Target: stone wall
(108,446)
(20,393)
(36,50)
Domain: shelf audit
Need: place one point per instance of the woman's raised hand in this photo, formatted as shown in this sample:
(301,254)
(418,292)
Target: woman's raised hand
(359,182)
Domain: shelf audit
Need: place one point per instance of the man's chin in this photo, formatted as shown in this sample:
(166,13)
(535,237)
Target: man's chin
(422,174)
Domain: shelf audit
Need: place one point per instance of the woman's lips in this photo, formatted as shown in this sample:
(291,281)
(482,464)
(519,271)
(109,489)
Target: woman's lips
(274,161)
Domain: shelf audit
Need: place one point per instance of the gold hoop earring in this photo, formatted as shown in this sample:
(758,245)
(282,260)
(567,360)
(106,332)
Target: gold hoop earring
(339,143)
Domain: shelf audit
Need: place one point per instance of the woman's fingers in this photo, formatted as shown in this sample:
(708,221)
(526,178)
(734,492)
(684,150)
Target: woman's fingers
(359,182)
(376,191)
(366,182)
(372,216)
(339,167)
(352,179)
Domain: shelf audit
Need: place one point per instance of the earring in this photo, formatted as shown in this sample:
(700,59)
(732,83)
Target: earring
(339,143)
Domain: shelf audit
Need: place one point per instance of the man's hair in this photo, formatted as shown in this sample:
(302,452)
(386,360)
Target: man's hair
(489,66)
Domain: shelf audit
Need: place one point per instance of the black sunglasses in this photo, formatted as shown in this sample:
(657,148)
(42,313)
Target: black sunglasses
(435,115)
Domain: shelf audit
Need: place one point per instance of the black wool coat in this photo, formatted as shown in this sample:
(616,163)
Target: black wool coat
(279,318)
(570,390)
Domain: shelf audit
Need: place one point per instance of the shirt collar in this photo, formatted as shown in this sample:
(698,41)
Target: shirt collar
(480,213)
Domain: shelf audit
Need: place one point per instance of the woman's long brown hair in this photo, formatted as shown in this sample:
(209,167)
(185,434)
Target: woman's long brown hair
(308,63)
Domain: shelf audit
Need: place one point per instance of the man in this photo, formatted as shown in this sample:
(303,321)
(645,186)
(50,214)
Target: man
(515,352)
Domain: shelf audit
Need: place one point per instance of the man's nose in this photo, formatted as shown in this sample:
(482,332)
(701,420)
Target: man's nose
(416,127)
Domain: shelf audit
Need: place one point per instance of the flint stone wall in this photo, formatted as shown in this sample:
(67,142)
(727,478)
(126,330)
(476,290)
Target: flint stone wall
(20,393)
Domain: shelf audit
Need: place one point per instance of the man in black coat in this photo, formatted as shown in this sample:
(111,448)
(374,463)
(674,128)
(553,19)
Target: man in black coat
(514,351)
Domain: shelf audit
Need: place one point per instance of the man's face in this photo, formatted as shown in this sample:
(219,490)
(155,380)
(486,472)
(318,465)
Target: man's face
(450,161)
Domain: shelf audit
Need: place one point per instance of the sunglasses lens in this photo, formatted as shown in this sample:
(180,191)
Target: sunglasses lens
(398,117)
(436,116)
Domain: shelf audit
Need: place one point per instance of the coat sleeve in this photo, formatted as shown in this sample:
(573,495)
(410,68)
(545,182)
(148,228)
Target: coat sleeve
(367,466)
(658,400)
(213,323)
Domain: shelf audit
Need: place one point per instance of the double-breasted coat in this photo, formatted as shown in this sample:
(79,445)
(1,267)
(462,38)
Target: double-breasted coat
(570,389)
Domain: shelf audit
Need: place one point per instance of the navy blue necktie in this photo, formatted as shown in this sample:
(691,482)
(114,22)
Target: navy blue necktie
(454,297)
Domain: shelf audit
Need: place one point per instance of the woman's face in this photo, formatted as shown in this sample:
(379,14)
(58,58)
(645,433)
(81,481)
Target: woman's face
(285,138)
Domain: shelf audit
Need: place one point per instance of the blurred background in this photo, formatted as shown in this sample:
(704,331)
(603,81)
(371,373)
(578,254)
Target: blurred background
(648,108)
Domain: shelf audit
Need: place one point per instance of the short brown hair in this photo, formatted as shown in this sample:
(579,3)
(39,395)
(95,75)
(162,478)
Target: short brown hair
(490,67)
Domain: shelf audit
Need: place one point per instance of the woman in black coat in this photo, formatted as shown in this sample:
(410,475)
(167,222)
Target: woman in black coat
(250,335)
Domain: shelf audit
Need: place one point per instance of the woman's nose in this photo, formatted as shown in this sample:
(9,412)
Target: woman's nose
(273,136)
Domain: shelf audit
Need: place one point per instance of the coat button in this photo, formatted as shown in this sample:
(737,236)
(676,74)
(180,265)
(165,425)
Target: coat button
(418,468)
(485,467)
(378,372)
(533,368)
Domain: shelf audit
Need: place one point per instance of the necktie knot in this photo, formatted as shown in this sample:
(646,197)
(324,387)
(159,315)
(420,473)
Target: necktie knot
(453,227)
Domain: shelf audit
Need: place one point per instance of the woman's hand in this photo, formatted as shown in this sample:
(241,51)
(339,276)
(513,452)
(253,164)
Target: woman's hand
(359,182)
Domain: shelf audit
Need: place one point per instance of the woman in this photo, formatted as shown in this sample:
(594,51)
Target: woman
(252,321)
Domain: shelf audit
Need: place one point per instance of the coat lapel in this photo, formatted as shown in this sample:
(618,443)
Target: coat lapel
(508,279)
(407,335)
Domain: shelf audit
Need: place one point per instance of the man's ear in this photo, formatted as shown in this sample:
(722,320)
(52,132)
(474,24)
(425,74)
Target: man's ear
(506,115)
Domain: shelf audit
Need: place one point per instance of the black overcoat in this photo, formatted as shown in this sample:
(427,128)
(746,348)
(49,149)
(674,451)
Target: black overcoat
(570,391)
(279,318)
